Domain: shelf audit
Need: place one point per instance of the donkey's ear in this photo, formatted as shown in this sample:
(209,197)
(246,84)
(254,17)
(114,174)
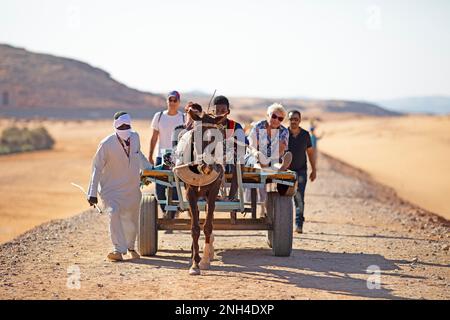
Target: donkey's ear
(195,115)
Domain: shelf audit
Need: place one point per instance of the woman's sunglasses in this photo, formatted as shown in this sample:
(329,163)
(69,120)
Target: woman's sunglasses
(274,116)
(173,100)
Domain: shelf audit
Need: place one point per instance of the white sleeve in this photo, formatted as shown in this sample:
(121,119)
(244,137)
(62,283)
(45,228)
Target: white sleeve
(156,120)
(144,164)
(98,164)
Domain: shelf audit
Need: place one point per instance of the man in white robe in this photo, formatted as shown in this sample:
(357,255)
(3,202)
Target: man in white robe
(116,177)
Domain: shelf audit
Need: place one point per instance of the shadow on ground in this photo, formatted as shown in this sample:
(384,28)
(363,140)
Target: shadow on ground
(339,273)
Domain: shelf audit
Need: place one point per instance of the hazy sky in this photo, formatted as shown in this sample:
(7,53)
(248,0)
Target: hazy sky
(348,49)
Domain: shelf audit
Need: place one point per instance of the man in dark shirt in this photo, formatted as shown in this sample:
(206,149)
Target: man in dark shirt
(233,128)
(300,145)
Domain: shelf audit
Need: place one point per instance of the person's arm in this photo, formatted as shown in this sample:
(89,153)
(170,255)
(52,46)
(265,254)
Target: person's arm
(154,137)
(253,144)
(312,160)
(311,156)
(153,141)
(98,164)
(144,164)
(284,143)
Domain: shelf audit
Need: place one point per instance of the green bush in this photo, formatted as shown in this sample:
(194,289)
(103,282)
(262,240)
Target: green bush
(15,139)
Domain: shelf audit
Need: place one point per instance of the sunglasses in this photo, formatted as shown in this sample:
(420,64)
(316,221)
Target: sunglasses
(294,119)
(173,100)
(274,116)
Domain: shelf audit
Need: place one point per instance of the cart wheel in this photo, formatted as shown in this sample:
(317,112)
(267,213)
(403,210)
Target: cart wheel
(279,211)
(148,227)
(269,215)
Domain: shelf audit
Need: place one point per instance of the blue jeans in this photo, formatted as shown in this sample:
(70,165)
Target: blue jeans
(299,198)
(161,192)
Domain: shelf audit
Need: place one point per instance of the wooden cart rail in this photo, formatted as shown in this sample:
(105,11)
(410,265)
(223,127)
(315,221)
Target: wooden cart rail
(260,177)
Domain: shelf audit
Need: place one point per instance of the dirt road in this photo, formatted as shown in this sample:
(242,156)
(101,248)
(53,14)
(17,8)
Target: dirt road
(353,226)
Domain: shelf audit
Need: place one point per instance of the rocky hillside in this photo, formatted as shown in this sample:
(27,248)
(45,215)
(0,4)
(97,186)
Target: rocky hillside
(32,80)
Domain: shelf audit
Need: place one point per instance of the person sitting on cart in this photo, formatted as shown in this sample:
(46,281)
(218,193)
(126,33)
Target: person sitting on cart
(237,149)
(188,125)
(268,141)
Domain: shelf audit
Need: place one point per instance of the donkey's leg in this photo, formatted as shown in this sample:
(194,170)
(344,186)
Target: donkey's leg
(207,229)
(195,231)
(208,251)
(211,246)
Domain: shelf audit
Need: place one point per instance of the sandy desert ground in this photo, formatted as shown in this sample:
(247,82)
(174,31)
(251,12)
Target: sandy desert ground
(353,227)
(35,187)
(410,154)
(352,223)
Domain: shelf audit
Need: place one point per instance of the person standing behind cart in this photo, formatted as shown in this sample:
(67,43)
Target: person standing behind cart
(163,126)
(314,139)
(300,145)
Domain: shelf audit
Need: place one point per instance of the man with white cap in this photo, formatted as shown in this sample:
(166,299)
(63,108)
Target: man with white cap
(116,177)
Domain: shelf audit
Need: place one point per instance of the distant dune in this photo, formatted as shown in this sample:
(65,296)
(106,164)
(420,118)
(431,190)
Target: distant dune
(410,154)
(310,107)
(428,105)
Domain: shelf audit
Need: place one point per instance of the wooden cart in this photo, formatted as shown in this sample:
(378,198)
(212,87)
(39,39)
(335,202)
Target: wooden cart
(278,220)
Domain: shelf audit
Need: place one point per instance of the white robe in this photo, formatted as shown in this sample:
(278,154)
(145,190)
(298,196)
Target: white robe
(117,180)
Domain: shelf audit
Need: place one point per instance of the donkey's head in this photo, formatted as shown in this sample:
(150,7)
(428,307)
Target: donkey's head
(196,113)
(205,122)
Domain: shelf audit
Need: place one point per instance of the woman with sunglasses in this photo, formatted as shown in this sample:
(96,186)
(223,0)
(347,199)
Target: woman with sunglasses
(268,141)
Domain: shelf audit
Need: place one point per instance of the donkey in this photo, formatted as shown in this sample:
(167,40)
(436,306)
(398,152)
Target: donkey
(202,179)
